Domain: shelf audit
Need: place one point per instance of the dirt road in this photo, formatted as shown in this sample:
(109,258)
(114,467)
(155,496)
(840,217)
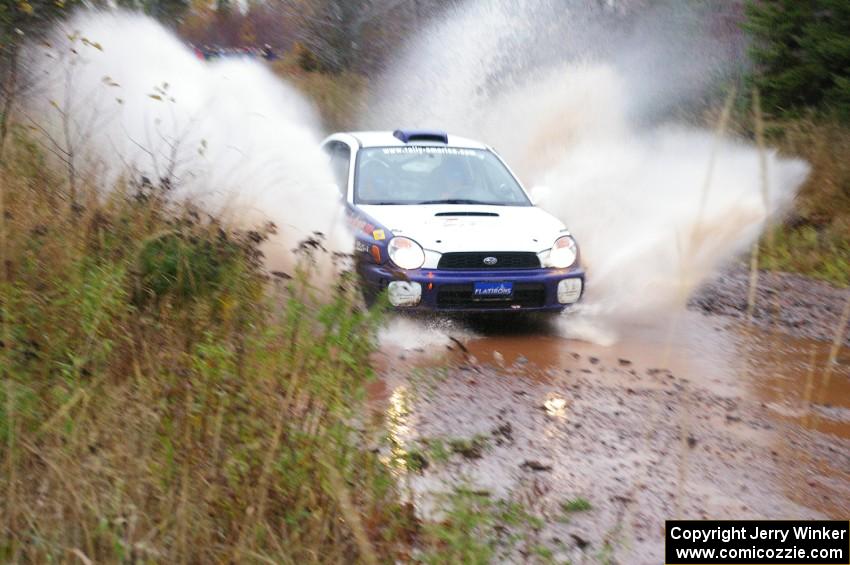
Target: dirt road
(695,416)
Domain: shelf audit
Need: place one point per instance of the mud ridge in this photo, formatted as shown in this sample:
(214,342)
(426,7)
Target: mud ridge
(794,304)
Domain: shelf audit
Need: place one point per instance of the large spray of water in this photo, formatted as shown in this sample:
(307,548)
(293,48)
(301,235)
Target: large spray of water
(577,98)
(117,94)
(578,101)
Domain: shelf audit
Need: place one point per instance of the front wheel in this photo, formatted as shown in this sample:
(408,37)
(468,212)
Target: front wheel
(372,295)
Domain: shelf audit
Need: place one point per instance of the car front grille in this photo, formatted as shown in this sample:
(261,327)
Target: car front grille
(526,295)
(503,260)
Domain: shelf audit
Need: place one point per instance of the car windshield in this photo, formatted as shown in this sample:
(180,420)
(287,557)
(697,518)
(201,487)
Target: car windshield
(423,174)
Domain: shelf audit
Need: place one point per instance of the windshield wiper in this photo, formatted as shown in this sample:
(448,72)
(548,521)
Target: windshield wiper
(461,201)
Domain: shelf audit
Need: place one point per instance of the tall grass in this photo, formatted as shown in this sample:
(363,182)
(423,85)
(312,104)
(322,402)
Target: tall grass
(815,238)
(755,250)
(163,400)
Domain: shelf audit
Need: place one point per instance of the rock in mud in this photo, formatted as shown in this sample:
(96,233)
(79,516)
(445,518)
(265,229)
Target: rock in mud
(469,448)
(504,432)
(581,543)
(533,465)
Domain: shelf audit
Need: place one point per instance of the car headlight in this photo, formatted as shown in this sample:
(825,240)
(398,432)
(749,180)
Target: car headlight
(564,252)
(406,253)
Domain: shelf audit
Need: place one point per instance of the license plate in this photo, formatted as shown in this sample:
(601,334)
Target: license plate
(492,290)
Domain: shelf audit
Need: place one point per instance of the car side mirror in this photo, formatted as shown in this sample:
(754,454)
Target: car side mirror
(540,195)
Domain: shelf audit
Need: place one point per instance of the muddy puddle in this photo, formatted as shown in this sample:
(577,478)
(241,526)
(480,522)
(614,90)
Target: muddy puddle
(786,373)
(691,417)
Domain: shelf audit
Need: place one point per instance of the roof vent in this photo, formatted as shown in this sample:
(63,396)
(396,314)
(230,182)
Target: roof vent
(488,214)
(408,135)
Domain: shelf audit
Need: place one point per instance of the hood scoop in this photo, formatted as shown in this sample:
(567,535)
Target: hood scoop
(479,214)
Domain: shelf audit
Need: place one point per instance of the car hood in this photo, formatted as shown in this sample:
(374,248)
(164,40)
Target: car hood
(459,227)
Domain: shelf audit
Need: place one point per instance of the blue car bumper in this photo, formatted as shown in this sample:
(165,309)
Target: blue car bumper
(452,290)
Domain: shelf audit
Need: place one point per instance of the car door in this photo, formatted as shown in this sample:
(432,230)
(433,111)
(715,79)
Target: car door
(339,159)
(362,228)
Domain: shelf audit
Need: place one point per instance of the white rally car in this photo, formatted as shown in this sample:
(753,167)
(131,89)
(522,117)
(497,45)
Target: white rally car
(441,223)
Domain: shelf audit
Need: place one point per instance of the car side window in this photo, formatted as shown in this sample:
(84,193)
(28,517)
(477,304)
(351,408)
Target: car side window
(340,158)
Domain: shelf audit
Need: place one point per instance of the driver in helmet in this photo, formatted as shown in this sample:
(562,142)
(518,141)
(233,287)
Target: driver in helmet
(455,180)
(375,181)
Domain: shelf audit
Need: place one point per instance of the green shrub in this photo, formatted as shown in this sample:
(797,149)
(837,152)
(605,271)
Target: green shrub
(161,401)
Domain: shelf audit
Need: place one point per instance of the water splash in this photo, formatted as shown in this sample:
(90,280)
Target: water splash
(581,102)
(429,335)
(122,95)
(576,99)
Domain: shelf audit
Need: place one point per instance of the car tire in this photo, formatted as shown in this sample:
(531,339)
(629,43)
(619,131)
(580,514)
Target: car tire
(371,295)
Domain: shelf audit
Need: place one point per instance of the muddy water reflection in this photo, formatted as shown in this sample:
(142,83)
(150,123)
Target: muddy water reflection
(791,376)
(784,372)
